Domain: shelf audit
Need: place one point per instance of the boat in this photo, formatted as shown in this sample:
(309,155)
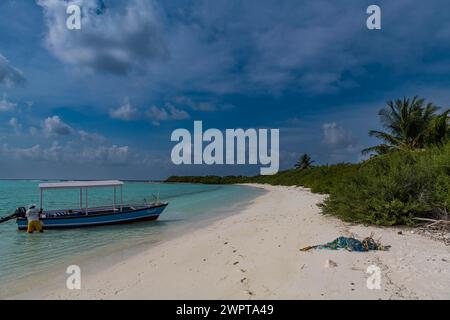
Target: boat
(85,216)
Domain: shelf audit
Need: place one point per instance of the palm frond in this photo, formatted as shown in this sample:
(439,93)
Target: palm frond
(380,149)
(410,123)
(390,139)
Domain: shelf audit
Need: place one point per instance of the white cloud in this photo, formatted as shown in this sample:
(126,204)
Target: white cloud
(54,126)
(14,123)
(9,75)
(177,114)
(125,112)
(336,136)
(91,137)
(156,114)
(6,105)
(112,155)
(36,152)
(103,155)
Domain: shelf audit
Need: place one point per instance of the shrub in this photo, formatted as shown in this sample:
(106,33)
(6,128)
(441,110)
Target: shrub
(385,190)
(394,188)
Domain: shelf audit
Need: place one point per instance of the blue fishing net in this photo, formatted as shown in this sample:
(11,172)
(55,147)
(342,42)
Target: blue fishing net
(351,244)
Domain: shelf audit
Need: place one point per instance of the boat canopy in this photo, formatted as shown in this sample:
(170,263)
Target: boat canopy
(81,184)
(84,185)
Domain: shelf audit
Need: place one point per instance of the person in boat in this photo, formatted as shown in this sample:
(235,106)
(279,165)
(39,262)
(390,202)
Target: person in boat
(34,222)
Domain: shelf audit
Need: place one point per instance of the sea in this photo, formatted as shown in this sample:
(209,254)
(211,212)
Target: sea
(27,260)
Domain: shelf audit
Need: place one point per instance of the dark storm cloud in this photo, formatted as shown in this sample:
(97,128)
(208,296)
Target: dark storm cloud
(111,41)
(228,46)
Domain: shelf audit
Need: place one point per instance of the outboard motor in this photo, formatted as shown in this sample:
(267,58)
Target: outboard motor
(20,212)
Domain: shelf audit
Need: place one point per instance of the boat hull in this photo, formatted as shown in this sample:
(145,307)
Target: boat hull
(91,220)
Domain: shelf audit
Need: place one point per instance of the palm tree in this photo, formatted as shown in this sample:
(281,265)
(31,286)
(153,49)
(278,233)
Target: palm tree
(304,162)
(410,124)
(439,129)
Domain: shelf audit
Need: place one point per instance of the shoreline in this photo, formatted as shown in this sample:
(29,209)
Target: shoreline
(254,254)
(28,286)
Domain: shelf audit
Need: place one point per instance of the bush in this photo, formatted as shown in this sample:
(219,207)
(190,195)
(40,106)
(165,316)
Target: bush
(385,190)
(394,188)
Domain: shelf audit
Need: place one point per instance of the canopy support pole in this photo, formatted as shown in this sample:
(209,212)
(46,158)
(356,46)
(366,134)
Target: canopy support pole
(81,198)
(121,199)
(87,203)
(41,204)
(114,202)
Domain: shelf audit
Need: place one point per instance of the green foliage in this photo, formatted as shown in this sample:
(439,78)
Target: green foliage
(409,124)
(207,179)
(409,178)
(394,188)
(385,190)
(305,162)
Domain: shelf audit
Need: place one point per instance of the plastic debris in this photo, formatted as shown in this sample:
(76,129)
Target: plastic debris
(351,244)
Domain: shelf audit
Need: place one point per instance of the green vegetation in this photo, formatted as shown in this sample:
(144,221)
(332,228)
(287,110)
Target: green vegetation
(209,179)
(409,177)
(410,124)
(305,162)
(394,188)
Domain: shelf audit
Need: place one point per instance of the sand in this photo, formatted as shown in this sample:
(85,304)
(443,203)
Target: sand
(254,254)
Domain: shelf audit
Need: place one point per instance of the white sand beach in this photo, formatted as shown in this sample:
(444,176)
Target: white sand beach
(254,254)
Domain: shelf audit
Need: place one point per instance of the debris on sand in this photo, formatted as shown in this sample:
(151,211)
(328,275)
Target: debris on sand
(351,244)
(330,264)
(435,229)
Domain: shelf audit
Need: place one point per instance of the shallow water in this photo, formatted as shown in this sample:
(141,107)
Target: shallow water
(23,255)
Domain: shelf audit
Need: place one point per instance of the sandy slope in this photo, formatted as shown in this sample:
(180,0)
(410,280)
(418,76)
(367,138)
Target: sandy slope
(255,255)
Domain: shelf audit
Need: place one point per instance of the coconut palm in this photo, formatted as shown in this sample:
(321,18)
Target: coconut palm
(304,162)
(409,124)
(439,129)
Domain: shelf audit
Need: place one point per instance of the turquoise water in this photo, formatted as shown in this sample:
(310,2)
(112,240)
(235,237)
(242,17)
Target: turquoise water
(24,255)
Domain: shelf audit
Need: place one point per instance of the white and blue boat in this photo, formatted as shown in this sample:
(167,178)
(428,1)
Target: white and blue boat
(84,216)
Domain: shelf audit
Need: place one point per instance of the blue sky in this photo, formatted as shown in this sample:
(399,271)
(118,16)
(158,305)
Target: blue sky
(101,102)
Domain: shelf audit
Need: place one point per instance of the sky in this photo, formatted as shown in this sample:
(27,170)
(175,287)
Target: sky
(102,102)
